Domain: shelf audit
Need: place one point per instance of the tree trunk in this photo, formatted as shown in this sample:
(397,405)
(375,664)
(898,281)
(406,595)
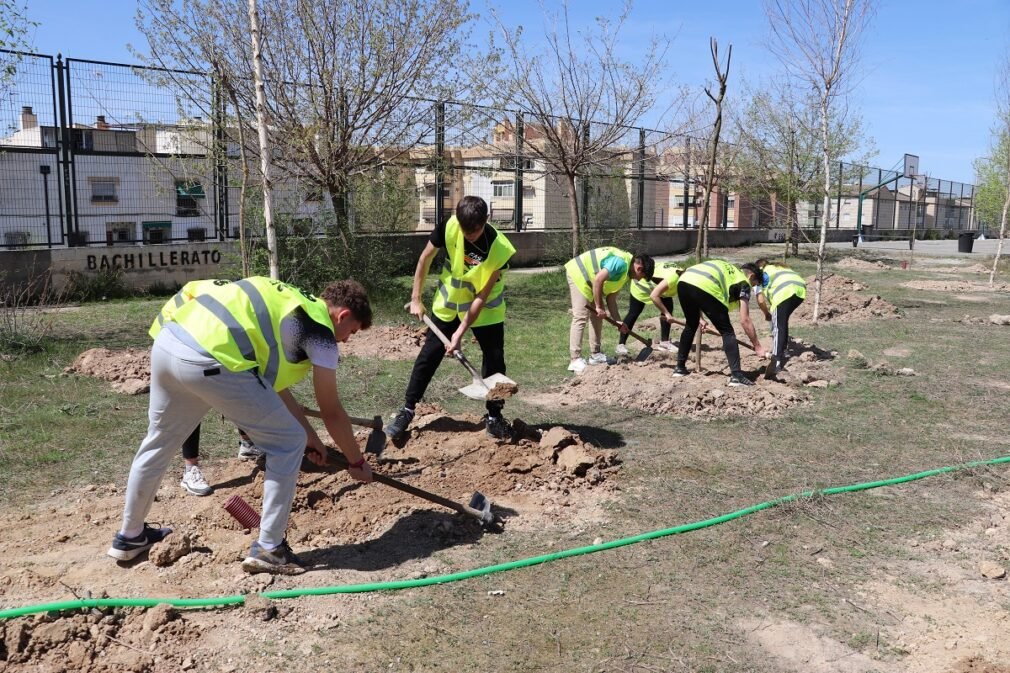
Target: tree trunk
(573,212)
(826,210)
(261,122)
(1002,233)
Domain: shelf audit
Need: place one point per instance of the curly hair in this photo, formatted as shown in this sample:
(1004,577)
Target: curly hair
(350,294)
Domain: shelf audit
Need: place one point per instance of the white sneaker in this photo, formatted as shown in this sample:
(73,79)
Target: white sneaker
(194,482)
(621,349)
(598,359)
(248,451)
(666,346)
(578,365)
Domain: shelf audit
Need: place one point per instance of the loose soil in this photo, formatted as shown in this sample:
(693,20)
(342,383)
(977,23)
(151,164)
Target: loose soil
(843,300)
(861,264)
(128,370)
(650,386)
(345,531)
(955,286)
(386,342)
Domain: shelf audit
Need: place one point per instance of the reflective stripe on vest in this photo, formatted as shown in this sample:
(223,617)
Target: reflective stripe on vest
(246,332)
(714,277)
(782,284)
(187,293)
(583,276)
(455,293)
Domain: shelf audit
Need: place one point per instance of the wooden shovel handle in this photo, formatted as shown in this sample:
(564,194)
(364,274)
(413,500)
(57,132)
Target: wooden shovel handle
(618,324)
(458,354)
(710,331)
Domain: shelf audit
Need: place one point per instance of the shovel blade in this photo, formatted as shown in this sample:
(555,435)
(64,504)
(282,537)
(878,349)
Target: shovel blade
(479,389)
(376,442)
(643,354)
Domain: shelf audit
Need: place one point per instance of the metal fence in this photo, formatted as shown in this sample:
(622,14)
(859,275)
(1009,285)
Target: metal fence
(98,153)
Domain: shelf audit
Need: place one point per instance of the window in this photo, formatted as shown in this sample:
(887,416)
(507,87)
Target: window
(119,232)
(502,189)
(510,163)
(103,190)
(502,214)
(529,192)
(186,194)
(157,232)
(83,140)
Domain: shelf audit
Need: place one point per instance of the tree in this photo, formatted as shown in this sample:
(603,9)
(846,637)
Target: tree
(721,76)
(579,94)
(817,42)
(994,178)
(778,148)
(14,29)
(349,83)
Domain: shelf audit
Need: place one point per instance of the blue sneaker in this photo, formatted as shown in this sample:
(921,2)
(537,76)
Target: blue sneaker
(278,561)
(129,548)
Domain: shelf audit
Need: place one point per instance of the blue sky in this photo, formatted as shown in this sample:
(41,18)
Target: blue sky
(925,84)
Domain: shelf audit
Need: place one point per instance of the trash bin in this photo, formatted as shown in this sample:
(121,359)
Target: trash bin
(965,241)
(855,241)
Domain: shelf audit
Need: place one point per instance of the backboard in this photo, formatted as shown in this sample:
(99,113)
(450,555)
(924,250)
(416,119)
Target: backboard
(911,166)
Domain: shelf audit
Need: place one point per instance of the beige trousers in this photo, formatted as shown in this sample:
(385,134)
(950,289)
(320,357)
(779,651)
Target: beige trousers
(583,310)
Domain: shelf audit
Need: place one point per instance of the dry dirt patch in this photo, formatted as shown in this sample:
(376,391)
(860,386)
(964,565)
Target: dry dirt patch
(955,286)
(386,342)
(128,370)
(650,386)
(843,300)
(860,264)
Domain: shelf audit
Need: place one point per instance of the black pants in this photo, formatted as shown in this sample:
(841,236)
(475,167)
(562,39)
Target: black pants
(694,301)
(492,344)
(191,447)
(635,309)
(782,313)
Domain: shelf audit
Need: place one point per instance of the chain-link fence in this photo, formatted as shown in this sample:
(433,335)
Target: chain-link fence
(97,153)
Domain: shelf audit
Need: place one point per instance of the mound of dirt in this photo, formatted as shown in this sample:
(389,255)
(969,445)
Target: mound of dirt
(955,286)
(970,268)
(386,342)
(128,370)
(842,300)
(651,387)
(102,641)
(860,264)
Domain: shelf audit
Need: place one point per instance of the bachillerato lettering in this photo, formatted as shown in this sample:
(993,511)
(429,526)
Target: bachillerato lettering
(153,260)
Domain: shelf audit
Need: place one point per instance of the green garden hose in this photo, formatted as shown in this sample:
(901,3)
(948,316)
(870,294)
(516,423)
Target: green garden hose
(488,570)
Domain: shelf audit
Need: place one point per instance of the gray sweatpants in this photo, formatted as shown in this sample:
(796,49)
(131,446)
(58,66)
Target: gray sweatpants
(185,385)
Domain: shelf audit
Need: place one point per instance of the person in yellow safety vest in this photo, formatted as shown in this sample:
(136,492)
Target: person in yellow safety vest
(714,288)
(594,278)
(193,480)
(783,290)
(641,294)
(237,348)
(470,295)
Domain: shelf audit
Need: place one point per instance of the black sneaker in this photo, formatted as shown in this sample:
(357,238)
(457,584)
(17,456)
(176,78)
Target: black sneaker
(679,371)
(277,561)
(129,548)
(739,379)
(498,427)
(399,423)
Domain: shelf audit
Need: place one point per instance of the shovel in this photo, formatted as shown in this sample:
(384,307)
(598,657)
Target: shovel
(479,507)
(642,354)
(480,387)
(376,439)
(709,330)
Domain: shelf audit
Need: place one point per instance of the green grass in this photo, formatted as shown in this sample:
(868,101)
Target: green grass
(671,604)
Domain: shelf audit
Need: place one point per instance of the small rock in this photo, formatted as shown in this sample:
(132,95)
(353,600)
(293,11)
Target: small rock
(158,616)
(992,570)
(496,592)
(949,544)
(818,384)
(999,319)
(576,460)
(906,371)
(826,562)
(171,549)
(557,438)
(597,540)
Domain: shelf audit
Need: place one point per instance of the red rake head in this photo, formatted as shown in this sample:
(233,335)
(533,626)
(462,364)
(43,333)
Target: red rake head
(243,513)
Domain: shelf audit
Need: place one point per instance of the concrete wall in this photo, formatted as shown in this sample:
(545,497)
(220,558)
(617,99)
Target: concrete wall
(143,266)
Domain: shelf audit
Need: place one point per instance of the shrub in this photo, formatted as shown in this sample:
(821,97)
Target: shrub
(25,324)
(100,286)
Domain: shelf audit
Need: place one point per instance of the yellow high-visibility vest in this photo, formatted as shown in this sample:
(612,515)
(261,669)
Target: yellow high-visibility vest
(239,324)
(782,284)
(715,277)
(642,288)
(583,269)
(458,286)
(187,293)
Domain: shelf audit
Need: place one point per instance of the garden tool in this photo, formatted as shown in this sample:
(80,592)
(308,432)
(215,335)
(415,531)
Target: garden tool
(479,507)
(642,354)
(480,387)
(709,330)
(376,439)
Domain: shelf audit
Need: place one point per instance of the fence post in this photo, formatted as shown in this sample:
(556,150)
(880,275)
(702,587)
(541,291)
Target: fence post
(641,177)
(687,179)
(220,162)
(517,196)
(62,140)
(585,185)
(838,201)
(439,167)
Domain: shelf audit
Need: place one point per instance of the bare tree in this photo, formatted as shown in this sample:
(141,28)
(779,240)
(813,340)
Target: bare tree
(778,148)
(580,94)
(264,141)
(1001,155)
(721,76)
(348,83)
(817,42)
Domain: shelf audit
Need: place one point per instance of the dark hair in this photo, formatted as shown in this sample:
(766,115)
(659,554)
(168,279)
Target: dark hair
(350,294)
(471,213)
(761,263)
(751,268)
(648,264)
